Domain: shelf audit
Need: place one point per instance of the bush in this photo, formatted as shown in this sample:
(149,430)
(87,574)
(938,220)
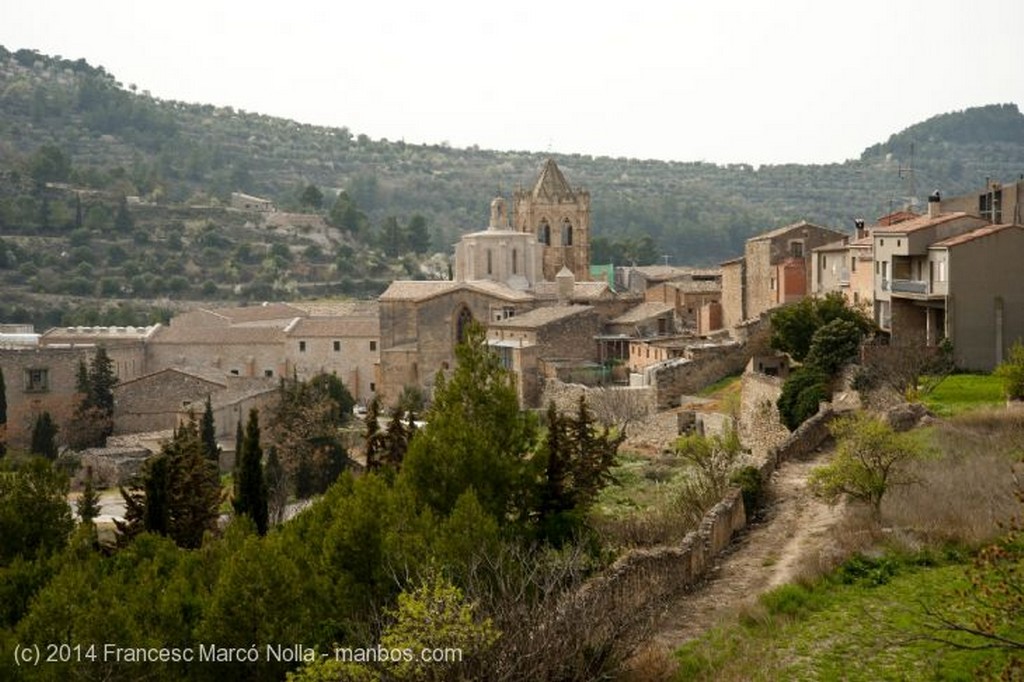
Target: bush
(803,391)
(752,487)
(833,345)
(1011,371)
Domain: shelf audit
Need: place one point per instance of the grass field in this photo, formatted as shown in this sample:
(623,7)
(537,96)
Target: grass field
(864,622)
(962,392)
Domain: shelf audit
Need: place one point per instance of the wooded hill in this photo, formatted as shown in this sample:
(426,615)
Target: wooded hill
(77,119)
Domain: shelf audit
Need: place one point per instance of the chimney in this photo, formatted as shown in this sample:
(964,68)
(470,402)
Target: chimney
(934,204)
(858,225)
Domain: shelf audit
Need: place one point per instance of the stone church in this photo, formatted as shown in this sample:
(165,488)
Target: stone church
(539,255)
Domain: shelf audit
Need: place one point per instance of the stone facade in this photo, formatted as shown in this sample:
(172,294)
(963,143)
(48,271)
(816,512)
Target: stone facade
(45,379)
(558,217)
(734,292)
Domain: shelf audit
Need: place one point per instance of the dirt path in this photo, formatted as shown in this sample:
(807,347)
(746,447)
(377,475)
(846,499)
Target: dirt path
(772,552)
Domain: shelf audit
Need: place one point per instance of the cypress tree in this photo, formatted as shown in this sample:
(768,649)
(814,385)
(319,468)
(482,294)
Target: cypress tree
(44,435)
(89,503)
(208,433)
(250,486)
(3,415)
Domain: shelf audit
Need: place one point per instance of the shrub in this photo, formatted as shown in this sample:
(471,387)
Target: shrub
(1011,371)
(801,394)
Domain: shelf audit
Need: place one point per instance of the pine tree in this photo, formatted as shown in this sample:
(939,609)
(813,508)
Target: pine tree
(250,485)
(374,437)
(208,432)
(44,437)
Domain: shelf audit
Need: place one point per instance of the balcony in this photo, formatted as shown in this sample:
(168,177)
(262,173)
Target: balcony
(909,286)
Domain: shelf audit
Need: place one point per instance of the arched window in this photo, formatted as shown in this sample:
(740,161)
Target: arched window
(462,322)
(515,262)
(566,233)
(490,264)
(544,232)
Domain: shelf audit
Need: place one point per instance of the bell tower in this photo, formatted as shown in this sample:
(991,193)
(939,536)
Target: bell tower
(559,218)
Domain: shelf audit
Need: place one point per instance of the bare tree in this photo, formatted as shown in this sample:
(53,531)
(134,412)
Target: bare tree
(620,407)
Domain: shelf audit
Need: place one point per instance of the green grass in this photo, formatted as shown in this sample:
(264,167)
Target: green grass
(962,392)
(711,389)
(863,622)
(640,484)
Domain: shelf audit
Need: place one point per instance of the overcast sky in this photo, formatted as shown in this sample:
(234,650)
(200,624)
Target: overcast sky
(756,81)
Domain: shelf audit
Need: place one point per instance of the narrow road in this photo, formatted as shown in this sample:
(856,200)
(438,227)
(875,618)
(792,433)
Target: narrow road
(794,534)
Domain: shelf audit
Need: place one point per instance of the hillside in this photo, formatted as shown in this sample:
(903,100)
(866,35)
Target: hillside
(76,120)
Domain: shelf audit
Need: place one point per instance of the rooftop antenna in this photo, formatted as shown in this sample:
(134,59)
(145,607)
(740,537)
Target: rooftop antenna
(908,175)
(666,257)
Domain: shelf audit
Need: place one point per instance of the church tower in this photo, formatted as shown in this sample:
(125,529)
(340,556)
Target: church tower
(559,218)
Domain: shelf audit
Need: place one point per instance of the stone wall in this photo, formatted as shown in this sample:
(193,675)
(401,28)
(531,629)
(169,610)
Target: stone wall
(640,581)
(760,428)
(705,365)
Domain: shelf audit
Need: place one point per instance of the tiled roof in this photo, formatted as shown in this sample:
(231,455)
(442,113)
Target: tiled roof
(207,374)
(973,235)
(498,290)
(897,217)
(343,308)
(644,311)
(779,231)
(538,317)
(581,291)
(918,223)
(411,290)
(228,335)
(258,313)
(95,334)
(340,327)
(696,286)
(841,245)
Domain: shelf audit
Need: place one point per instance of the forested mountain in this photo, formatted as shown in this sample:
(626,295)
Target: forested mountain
(67,123)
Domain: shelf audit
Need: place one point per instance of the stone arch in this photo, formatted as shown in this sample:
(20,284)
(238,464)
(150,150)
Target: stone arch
(544,232)
(566,232)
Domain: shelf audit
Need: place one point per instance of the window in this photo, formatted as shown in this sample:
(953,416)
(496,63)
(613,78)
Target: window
(337,346)
(796,249)
(544,232)
(899,242)
(566,233)
(234,372)
(373,345)
(515,262)
(853,264)
(373,387)
(268,373)
(773,284)
(302,346)
(37,380)
(489,268)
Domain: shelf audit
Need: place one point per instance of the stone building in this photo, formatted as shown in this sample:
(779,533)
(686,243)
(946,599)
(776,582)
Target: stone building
(775,270)
(558,217)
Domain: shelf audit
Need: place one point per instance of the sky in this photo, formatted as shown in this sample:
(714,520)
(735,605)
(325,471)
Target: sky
(748,81)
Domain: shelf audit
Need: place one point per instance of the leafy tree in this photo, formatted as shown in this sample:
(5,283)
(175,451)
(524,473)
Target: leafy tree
(793,326)
(305,429)
(277,487)
(833,345)
(476,437)
(417,235)
(312,197)
(49,164)
(870,459)
(250,484)
(208,432)
(712,463)
(345,215)
(44,437)
(35,519)
(1011,371)
(802,393)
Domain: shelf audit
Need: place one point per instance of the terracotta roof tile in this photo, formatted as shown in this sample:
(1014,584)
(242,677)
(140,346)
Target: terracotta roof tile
(538,317)
(973,235)
(340,327)
(644,311)
(918,223)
